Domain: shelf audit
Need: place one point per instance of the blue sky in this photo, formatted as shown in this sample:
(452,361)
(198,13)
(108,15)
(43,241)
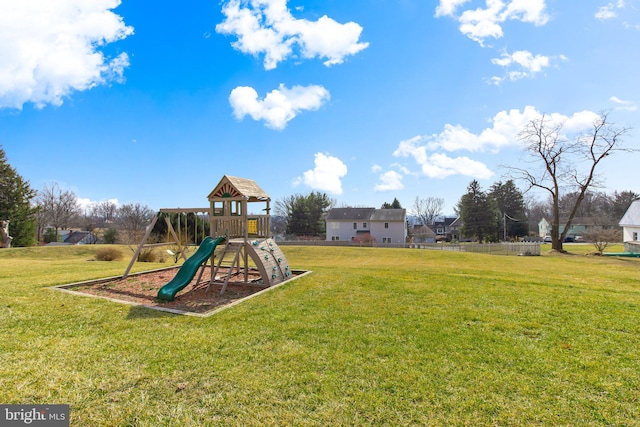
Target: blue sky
(366,100)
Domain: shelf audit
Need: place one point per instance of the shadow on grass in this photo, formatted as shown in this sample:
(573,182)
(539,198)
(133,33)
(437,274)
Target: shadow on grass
(141,312)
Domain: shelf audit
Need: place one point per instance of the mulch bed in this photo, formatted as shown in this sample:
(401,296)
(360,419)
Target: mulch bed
(143,289)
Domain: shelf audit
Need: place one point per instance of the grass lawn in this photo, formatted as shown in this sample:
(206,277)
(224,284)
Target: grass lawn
(372,337)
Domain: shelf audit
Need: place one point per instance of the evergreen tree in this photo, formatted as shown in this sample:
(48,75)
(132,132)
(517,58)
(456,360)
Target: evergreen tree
(509,201)
(393,205)
(15,204)
(477,213)
(305,213)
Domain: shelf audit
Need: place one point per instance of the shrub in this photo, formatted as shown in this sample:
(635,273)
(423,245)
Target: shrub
(601,238)
(108,254)
(147,255)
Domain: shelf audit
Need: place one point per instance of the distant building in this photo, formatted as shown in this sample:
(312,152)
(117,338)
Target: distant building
(367,225)
(448,229)
(422,234)
(71,237)
(544,228)
(81,238)
(579,227)
(630,224)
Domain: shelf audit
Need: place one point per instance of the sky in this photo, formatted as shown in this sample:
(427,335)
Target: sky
(365,100)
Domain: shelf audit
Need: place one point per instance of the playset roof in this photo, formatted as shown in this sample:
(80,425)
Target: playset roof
(235,187)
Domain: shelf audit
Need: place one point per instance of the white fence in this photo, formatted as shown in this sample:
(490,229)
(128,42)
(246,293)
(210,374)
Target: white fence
(507,248)
(515,248)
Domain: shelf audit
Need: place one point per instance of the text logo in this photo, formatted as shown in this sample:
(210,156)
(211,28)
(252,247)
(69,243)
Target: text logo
(34,415)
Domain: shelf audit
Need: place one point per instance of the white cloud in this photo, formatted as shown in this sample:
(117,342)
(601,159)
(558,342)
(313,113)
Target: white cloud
(376,168)
(480,24)
(427,151)
(440,165)
(610,10)
(528,64)
(86,204)
(504,131)
(279,106)
(267,27)
(623,105)
(525,59)
(326,175)
(50,49)
(578,122)
(389,181)
(448,7)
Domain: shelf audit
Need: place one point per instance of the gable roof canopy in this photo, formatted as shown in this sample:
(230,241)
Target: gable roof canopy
(238,188)
(631,217)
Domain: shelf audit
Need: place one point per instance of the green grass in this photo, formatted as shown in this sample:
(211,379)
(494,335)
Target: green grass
(372,337)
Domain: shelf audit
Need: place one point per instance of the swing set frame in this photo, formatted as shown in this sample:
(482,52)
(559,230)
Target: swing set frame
(165,213)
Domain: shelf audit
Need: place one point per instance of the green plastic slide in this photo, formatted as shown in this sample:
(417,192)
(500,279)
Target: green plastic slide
(189,269)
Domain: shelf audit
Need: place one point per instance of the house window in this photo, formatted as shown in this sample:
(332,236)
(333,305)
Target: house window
(386,225)
(386,240)
(364,225)
(335,237)
(440,230)
(635,235)
(355,226)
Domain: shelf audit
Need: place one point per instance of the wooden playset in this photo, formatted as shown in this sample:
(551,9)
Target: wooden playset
(248,247)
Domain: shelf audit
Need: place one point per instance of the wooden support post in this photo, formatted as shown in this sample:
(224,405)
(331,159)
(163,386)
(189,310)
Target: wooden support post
(176,239)
(147,233)
(235,260)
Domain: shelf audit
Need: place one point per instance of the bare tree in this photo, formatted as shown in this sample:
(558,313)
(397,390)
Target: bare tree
(106,211)
(59,207)
(428,209)
(133,220)
(566,165)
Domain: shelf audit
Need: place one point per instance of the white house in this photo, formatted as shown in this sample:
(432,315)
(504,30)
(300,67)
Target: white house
(544,228)
(630,223)
(367,224)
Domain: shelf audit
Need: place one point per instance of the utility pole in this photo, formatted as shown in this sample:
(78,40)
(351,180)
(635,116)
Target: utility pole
(504,224)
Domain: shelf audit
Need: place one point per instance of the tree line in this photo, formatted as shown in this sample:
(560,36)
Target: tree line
(39,215)
(502,213)
(563,168)
(58,209)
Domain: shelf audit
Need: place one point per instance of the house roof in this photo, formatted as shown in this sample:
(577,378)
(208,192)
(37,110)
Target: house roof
(457,222)
(370,214)
(77,236)
(234,187)
(389,215)
(350,214)
(447,223)
(632,216)
(577,221)
(423,231)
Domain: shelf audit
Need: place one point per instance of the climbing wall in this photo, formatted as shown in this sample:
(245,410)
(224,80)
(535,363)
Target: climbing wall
(268,257)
